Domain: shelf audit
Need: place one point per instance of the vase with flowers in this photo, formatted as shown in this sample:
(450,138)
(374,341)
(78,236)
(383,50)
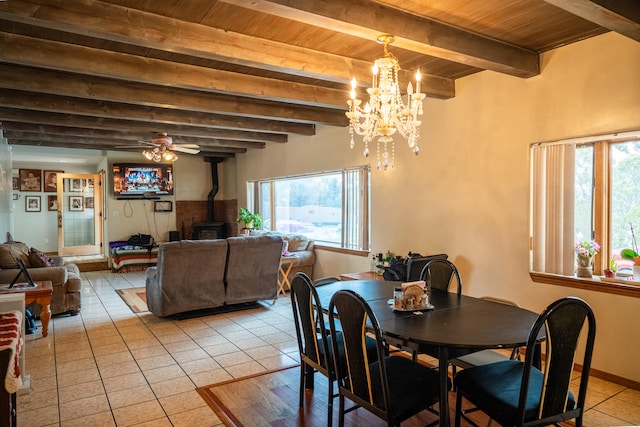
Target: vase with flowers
(585,251)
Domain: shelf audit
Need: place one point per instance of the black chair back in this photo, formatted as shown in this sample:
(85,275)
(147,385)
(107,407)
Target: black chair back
(563,322)
(356,378)
(438,273)
(415,265)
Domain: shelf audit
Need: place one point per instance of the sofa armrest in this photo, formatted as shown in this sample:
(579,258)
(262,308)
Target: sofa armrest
(57,275)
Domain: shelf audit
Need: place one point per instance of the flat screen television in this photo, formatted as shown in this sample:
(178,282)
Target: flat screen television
(142,180)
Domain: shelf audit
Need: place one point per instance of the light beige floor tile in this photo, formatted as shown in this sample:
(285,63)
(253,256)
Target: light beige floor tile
(182,402)
(151,351)
(158,422)
(39,417)
(190,355)
(262,352)
(210,377)
(595,418)
(77,377)
(80,391)
(181,346)
(118,369)
(130,396)
(211,340)
(224,348)
(201,365)
(244,369)
(43,384)
(138,344)
(109,349)
(125,381)
(230,359)
(82,407)
(201,417)
(75,365)
(36,400)
(164,373)
(101,419)
(138,413)
(114,358)
(238,336)
(106,340)
(620,409)
(68,356)
(173,386)
(630,396)
(155,362)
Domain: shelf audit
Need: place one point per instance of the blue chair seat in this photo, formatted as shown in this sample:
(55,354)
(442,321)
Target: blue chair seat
(496,388)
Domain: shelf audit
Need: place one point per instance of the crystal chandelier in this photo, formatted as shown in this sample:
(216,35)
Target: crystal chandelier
(386,113)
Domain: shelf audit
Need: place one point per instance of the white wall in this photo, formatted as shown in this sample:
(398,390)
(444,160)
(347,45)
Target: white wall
(467,192)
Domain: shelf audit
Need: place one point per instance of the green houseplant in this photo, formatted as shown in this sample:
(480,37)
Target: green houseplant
(250,220)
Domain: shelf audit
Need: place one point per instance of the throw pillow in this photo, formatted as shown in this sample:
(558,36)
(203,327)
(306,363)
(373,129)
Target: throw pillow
(10,252)
(39,259)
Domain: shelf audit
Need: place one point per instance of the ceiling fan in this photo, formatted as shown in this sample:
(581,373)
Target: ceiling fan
(164,148)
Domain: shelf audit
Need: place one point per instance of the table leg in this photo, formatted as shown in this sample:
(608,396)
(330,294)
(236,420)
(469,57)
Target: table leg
(45,314)
(443,366)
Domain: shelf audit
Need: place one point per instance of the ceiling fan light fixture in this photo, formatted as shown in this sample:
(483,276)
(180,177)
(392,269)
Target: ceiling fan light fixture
(147,154)
(386,112)
(169,156)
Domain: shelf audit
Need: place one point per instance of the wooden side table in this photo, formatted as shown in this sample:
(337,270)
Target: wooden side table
(41,295)
(286,264)
(365,275)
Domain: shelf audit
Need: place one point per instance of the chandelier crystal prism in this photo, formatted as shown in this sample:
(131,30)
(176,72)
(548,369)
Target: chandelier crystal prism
(386,113)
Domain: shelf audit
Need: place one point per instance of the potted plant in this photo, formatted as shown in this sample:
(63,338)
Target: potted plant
(250,220)
(633,255)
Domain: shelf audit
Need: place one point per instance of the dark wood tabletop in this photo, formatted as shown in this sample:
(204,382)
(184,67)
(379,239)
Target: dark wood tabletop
(455,323)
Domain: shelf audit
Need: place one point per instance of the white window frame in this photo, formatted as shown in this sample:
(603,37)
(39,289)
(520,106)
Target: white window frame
(355,204)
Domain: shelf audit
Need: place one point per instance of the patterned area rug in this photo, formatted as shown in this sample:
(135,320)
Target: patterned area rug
(135,298)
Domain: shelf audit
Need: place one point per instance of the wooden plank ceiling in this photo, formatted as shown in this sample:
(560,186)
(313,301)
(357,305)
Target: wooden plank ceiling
(236,75)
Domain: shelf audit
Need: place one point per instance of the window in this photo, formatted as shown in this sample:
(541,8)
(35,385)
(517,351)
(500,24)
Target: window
(586,189)
(331,208)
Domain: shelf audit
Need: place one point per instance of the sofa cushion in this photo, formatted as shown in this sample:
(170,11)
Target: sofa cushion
(296,242)
(10,252)
(39,259)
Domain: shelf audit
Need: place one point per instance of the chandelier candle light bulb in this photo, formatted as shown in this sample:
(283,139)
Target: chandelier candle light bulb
(386,113)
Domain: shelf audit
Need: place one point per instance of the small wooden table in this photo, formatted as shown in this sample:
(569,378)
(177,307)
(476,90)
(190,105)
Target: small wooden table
(286,264)
(41,295)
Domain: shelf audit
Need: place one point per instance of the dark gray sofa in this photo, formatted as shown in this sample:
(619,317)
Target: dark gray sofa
(198,274)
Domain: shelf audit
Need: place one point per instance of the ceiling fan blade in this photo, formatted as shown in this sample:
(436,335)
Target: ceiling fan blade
(187,145)
(183,149)
(147,143)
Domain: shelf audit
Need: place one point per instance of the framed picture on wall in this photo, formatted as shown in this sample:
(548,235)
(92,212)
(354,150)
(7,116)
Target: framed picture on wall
(76,203)
(50,181)
(52,203)
(32,203)
(16,183)
(88,202)
(30,179)
(75,185)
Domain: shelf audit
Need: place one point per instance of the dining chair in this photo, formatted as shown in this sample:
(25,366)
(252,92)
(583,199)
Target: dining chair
(516,393)
(393,388)
(438,274)
(325,281)
(314,341)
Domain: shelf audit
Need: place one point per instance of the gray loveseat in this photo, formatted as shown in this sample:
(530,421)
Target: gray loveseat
(198,274)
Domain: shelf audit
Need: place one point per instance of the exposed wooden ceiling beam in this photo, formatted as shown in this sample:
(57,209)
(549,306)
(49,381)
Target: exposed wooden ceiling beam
(69,120)
(125,137)
(30,51)
(79,86)
(78,145)
(367,19)
(621,16)
(125,25)
(86,107)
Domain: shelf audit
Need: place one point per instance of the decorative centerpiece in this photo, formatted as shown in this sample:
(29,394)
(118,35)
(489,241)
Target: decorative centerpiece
(585,251)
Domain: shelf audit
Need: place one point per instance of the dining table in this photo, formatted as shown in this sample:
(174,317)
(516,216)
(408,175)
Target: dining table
(455,325)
